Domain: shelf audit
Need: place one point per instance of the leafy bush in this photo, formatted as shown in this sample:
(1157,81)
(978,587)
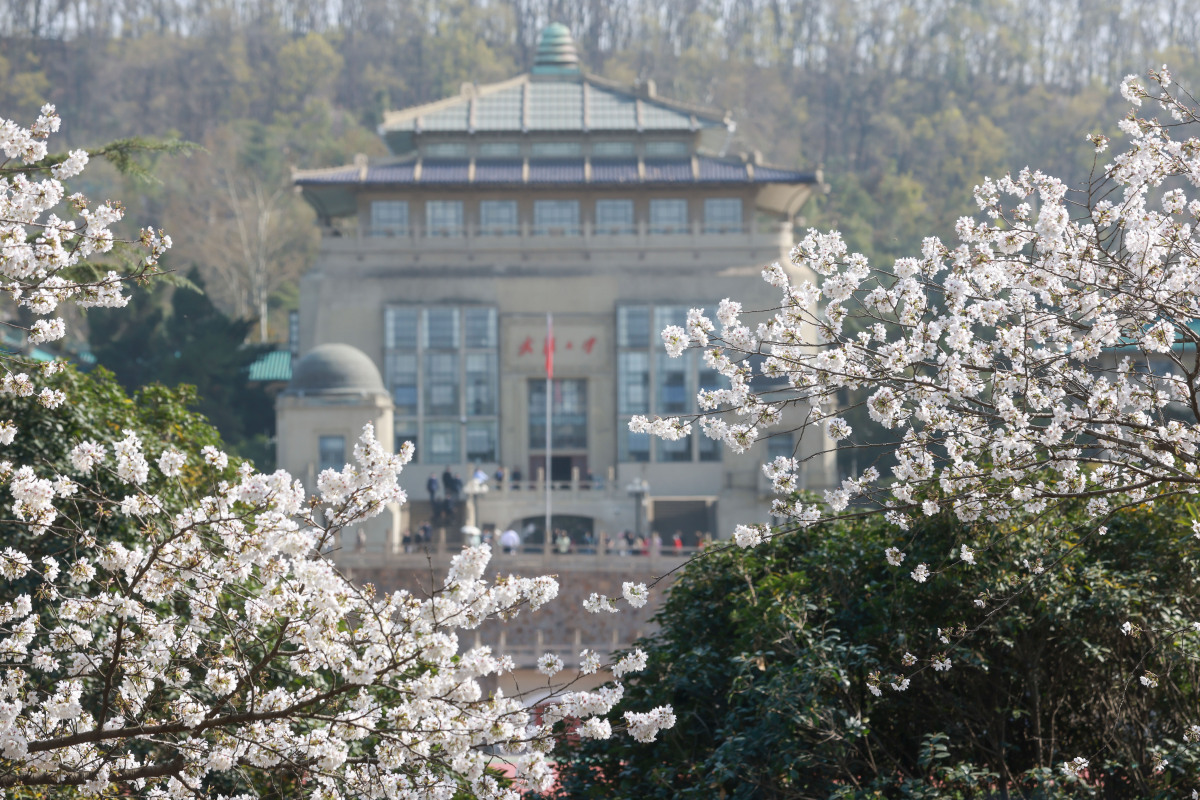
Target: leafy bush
(766,656)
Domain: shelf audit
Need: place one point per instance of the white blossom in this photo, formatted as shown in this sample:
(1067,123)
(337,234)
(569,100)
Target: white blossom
(171,461)
(630,662)
(589,662)
(636,594)
(549,665)
(749,535)
(170,610)
(86,455)
(214,457)
(644,727)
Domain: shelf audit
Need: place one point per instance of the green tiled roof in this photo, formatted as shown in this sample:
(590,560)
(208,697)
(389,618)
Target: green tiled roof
(273,366)
(525,105)
(556,106)
(557,96)
(500,111)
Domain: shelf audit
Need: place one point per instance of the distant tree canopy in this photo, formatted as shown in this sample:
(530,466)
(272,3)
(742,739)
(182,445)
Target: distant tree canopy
(173,335)
(765,655)
(907,104)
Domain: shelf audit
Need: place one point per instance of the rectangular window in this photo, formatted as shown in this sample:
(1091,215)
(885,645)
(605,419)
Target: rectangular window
(614,216)
(441,384)
(402,374)
(445,150)
(499,150)
(556,149)
(442,362)
(632,446)
(633,326)
(780,444)
(498,218)
(633,383)
(556,217)
(668,216)
(481,384)
(708,380)
(441,329)
(444,217)
(401,328)
(648,380)
(569,412)
(672,393)
(331,453)
(707,449)
(676,450)
(481,441)
(441,443)
(667,150)
(722,215)
(481,327)
(612,150)
(389,217)
(406,431)
(664,317)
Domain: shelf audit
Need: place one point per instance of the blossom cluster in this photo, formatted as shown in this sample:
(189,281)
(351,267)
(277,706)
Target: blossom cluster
(1048,354)
(221,638)
(1001,362)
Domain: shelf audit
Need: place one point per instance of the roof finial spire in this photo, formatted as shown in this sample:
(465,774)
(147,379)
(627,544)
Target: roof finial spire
(556,53)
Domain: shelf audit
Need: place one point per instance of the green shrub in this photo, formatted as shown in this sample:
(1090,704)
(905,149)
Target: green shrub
(766,655)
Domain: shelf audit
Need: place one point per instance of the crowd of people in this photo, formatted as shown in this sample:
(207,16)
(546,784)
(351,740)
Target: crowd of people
(625,543)
(446,494)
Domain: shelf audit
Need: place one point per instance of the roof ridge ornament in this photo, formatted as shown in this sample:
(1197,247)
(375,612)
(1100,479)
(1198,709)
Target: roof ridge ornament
(556,54)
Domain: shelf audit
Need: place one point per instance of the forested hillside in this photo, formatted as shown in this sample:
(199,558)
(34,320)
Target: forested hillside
(906,103)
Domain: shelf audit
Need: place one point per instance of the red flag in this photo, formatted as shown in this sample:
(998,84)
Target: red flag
(549,347)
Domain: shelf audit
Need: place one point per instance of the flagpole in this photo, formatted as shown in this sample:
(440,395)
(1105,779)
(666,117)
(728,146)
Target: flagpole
(549,543)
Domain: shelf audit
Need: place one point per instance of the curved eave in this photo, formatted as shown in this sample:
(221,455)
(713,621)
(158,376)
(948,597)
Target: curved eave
(331,200)
(332,192)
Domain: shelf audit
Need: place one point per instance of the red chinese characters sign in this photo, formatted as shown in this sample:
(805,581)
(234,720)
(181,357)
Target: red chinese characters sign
(528,347)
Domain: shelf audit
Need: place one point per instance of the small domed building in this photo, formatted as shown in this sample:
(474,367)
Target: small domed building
(334,391)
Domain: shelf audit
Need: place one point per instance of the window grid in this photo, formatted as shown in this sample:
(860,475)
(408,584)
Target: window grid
(649,381)
(556,217)
(498,218)
(667,149)
(613,150)
(569,414)
(668,215)
(556,149)
(442,369)
(614,216)
(331,453)
(389,218)
(499,150)
(444,217)
(446,150)
(722,215)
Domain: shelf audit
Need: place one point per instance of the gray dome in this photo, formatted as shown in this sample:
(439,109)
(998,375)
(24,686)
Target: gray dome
(335,369)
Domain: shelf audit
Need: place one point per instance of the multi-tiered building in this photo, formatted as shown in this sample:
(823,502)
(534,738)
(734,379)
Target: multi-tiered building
(557,191)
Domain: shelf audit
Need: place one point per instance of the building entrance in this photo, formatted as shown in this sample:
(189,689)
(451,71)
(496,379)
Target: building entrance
(560,466)
(569,416)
